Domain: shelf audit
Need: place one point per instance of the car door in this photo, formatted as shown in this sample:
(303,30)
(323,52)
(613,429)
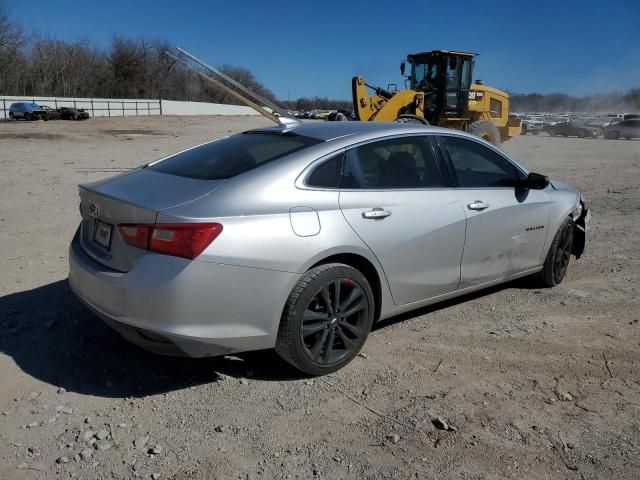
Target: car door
(630,128)
(394,196)
(506,226)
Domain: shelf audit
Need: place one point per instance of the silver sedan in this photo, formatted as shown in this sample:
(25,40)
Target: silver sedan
(299,238)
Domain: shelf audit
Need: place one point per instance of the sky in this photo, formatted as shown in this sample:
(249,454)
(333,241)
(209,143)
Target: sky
(314,48)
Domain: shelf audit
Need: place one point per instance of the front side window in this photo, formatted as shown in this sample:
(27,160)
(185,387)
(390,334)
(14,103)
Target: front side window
(390,164)
(424,76)
(233,155)
(477,166)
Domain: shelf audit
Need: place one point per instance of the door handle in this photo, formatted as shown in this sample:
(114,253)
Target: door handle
(376,214)
(478,205)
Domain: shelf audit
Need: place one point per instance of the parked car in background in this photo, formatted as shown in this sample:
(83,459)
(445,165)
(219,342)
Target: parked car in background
(341,115)
(51,114)
(71,113)
(299,238)
(26,111)
(532,125)
(550,120)
(321,114)
(625,129)
(575,128)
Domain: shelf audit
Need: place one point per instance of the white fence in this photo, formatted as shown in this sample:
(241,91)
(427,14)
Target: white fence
(171,107)
(122,107)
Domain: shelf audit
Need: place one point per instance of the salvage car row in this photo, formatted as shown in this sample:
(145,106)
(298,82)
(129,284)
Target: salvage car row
(610,128)
(32,111)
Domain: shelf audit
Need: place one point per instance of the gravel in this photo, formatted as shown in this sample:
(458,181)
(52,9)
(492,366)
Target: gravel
(504,391)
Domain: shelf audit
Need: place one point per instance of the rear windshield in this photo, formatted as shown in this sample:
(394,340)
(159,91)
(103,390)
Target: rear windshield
(234,155)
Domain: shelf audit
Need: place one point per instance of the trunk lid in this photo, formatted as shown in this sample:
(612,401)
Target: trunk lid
(133,197)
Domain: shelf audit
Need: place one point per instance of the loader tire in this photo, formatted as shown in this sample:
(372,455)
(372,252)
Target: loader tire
(408,118)
(485,130)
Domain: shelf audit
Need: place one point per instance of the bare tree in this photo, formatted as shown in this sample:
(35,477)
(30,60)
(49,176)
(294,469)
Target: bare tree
(11,61)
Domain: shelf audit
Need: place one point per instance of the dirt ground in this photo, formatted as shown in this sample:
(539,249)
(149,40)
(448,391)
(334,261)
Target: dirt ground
(537,383)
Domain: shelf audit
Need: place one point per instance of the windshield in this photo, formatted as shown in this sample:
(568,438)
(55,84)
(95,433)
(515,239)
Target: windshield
(232,156)
(423,76)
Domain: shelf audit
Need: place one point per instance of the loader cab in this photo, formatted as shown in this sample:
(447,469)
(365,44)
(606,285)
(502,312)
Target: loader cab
(445,79)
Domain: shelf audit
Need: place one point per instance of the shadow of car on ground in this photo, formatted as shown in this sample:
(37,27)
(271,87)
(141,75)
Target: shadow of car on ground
(52,337)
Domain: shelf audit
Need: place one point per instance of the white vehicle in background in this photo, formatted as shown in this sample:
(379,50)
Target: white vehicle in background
(533,125)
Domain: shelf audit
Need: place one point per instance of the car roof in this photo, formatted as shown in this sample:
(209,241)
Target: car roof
(328,131)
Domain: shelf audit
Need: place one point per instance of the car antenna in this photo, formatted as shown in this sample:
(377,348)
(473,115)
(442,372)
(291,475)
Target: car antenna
(255,101)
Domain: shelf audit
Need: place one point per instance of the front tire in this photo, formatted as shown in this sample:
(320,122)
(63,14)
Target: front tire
(614,135)
(326,320)
(486,130)
(557,261)
(409,118)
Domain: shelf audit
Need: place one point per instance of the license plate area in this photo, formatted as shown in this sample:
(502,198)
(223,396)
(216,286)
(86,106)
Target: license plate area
(102,234)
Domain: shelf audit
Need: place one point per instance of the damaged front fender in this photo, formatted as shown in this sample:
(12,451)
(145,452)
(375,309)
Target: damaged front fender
(582,233)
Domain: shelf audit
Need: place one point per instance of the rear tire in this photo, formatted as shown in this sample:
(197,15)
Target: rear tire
(326,320)
(485,130)
(559,256)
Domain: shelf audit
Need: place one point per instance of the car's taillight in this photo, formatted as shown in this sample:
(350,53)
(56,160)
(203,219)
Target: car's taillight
(187,240)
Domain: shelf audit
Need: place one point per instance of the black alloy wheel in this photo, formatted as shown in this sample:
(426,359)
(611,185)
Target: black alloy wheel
(326,319)
(333,324)
(563,254)
(557,261)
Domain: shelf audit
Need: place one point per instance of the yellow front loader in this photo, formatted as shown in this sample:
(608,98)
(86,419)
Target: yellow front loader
(440,93)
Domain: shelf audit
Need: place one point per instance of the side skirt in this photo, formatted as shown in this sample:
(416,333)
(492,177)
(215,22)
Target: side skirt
(456,293)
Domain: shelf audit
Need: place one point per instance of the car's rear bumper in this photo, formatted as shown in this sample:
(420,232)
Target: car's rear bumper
(175,306)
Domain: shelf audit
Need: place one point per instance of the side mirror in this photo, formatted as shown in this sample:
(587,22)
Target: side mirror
(402,67)
(536,181)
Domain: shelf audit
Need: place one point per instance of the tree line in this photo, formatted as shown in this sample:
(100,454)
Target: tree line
(32,66)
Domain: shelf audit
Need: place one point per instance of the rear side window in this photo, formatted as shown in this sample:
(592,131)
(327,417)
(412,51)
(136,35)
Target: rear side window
(327,174)
(396,163)
(495,107)
(234,155)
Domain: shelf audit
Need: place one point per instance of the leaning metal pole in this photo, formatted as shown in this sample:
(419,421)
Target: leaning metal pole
(237,84)
(254,100)
(222,86)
